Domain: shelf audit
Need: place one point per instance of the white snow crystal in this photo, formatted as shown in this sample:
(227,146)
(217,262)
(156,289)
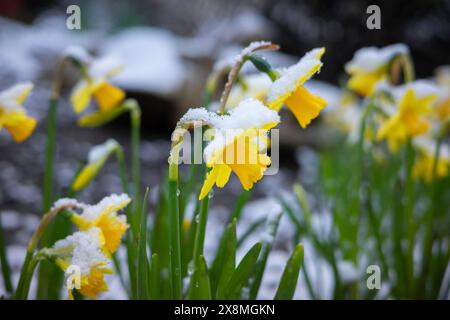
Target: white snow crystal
(91,213)
(86,249)
(8,97)
(77,53)
(66,202)
(290,76)
(101,151)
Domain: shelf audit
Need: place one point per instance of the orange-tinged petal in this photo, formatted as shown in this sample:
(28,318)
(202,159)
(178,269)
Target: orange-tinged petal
(22,130)
(108,96)
(305,106)
(364,83)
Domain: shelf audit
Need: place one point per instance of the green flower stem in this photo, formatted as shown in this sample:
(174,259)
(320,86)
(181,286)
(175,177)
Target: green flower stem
(6,271)
(49,153)
(174,230)
(201,229)
(429,218)
(135,114)
(122,168)
(409,214)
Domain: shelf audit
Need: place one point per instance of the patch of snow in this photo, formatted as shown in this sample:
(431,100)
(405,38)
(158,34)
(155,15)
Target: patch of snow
(153,62)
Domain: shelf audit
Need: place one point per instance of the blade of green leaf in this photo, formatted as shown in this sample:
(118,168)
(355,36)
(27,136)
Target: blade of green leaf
(200,288)
(289,279)
(155,281)
(6,270)
(242,274)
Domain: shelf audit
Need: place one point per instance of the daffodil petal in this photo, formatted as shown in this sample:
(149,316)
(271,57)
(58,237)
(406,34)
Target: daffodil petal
(108,96)
(22,130)
(81,96)
(305,106)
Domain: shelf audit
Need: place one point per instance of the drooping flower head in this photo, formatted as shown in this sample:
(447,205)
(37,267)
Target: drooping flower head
(83,251)
(96,159)
(104,216)
(288,89)
(95,84)
(370,65)
(413,104)
(238,144)
(13,116)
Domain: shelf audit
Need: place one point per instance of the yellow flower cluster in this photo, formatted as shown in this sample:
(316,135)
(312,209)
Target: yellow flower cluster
(251,113)
(418,110)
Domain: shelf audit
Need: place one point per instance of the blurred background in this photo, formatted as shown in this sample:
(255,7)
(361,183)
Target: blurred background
(169,47)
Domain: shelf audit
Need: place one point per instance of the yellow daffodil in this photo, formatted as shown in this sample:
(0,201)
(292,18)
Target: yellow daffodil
(239,141)
(240,154)
(104,216)
(82,254)
(96,159)
(95,84)
(239,145)
(410,118)
(424,165)
(289,89)
(371,65)
(13,115)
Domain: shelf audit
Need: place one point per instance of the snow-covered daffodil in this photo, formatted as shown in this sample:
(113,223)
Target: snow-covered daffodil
(289,89)
(81,255)
(13,116)
(95,84)
(410,117)
(96,159)
(238,144)
(104,216)
(371,65)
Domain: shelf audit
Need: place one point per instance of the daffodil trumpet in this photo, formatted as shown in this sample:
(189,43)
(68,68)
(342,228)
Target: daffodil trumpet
(288,89)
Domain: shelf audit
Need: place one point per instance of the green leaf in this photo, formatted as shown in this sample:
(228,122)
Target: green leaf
(155,281)
(225,261)
(200,288)
(289,279)
(6,270)
(242,273)
(143,264)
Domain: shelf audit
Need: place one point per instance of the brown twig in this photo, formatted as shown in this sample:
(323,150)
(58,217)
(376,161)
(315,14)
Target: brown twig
(237,67)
